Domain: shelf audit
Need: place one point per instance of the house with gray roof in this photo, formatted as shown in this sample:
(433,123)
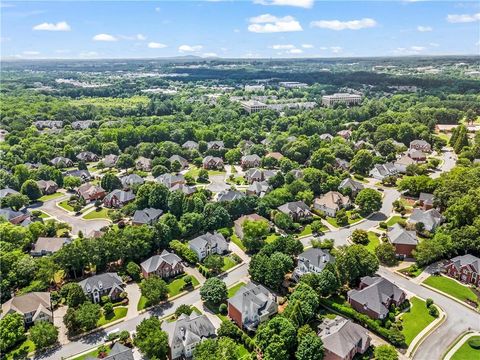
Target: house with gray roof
(87,156)
(249,161)
(7,192)
(354,186)
(190,145)
(215,145)
(61,161)
(118,198)
(183,162)
(106,284)
(252,305)
(165,265)
(212,163)
(258,188)
(426,200)
(48,245)
(15,217)
(186,189)
(118,352)
(255,174)
(170,180)
(83,175)
(47,187)
(297,210)
(430,219)
(326,137)
(110,160)
(143,163)
(342,338)
(421,145)
(82,125)
(229,195)
(381,171)
(33,306)
(186,332)
(208,244)
(147,216)
(403,240)
(131,180)
(464,268)
(374,297)
(312,260)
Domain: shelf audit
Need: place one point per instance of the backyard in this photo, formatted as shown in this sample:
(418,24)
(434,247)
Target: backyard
(415,320)
(25,347)
(466,351)
(452,287)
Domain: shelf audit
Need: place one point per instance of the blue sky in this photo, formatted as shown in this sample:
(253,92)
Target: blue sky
(246,28)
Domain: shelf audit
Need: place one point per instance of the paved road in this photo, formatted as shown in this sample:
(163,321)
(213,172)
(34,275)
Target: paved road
(77,223)
(449,160)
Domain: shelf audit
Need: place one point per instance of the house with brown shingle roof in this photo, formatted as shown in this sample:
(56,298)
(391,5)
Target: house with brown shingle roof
(33,307)
(331,202)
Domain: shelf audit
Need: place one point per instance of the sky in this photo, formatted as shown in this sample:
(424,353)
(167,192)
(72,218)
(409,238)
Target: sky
(237,28)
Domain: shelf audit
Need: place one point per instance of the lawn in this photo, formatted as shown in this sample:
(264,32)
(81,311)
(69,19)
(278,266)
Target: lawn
(175,286)
(172,318)
(415,320)
(50,197)
(333,221)
(394,219)
(214,309)
(452,288)
(193,172)
(270,238)
(237,241)
(233,290)
(97,214)
(373,241)
(65,205)
(242,353)
(412,271)
(43,215)
(466,352)
(228,263)
(91,354)
(25,347)
(142,303)
(118,313)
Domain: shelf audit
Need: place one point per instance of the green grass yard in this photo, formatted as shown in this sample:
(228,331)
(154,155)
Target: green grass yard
(142,303)
(333,221)
(233,290)
(237,241)
(228,263)
(412,271)
(193,172)
(452,288)
(118,313)
(415,320)
(373,242)
(394,219)
(91,354)
(25,347)
(270,238)
(50,197)
(466,352)
(65,205)
(100,214)
(175,286)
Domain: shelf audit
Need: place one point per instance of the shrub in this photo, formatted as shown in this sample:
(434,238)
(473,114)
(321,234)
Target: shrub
(108,308)
(429,302)
(105,299)
(236,258)
(183,309)
(223,309)
(433,311)
(474,343)
(383,225)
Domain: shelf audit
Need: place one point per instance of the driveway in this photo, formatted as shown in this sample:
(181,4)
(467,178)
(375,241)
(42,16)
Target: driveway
(76,222)
(217,183)
(134,294)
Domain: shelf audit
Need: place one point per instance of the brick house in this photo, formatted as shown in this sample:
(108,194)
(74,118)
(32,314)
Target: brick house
(91,192)
(118,198)
(464,268)
(249,161)
(164,265)
(212,163)
(47,187)
(404,241)
(107,284)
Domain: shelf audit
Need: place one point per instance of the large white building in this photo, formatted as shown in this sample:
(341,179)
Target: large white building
(292,84)
(346,98)
(254,87)
(253,106)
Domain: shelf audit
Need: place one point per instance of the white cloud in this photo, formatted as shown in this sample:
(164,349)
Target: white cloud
(283,47)
(417,48)
(412,50)
(31,53)
(295,51)
(323,48)
(336,49)
(424,28)
(307,4)
(267,23)
(141,37)
(307,46)
(463,18)
(104,37)
(344,25)
(209,54)
(434,44)
(156,45)
(88,54)
(59,26)
(190,48)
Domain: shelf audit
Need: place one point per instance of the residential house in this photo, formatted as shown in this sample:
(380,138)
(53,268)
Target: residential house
(118,198)
(465,268)
(417,155)
(48,245)
(48,124)
(165,265)
(131,180)
(297,210)
(426,201)
(249,161)
(258,188)
(421,145)
(208,244)
(362,144)
(297,173)
(374,297)
(47,187)
(7,192)
(342,338)
(312,260)
(276,155)
(342,164)
(229,195)
(82,125)
(354,186)
(15,217)
(90,192)
(190,145)
(147,216)
(254,174)
(117,352)
(403,162)
(61,161)
(212,163)
(430,219)
(110,160)
(215,145)
(238,224)
(252,305)
(84,175)
(186,189)
(143,164)
(87,156)
(326,137)
(345,134)
(404,241)
(185,333)
(183,162)
(331,202)
(170,180)
(381,171)
(106,284)
(33,306)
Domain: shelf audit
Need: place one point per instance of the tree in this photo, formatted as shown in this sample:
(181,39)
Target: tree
(270,270)
(307,300)
(31,190)
(154,289)
(125,161)
(183,309)
(354,262)
(322,157)
(310,347)
(362,162)
(43,334)
(233,156)
(73,294)
(87,315)
(254,233)
(71,182)
(213,349)
(150,339)
(12,331)
(15,201)
(360,236)
(202,176)
(385,352)
(283,221)
(110,182)
(386,254)
(341,217)
(133,270)
(317,227)
(369,201)
(214,263)
(276,338)
(214,291)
